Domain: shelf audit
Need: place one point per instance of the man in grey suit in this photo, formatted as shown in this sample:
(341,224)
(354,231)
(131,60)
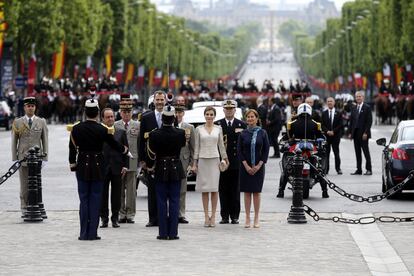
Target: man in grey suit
(186,157)
(28,131)
(115,167)
(129,180)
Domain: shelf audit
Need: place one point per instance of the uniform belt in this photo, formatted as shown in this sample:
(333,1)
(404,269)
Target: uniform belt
(168,158)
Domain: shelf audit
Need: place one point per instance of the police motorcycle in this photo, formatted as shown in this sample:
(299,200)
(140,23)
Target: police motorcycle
(313,152)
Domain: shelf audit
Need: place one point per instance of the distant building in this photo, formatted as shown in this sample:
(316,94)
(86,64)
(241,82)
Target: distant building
(319,10)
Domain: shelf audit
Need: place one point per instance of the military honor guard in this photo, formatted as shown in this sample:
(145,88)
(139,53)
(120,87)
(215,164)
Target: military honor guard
(186,156)
(150,121)
(86,158)
(115,168)
(129,179)
(165,145)
(229,188)
(28,131)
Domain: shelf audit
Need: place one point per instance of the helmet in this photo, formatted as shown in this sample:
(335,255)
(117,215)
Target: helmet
(150,100)
(304,108)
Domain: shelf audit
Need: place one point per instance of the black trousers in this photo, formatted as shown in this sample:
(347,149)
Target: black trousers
(359,145)
(229,192)
(115,180)
(333,142)
(274,142)
(152,200)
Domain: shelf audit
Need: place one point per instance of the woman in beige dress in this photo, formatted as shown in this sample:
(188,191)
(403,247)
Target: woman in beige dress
(209,146)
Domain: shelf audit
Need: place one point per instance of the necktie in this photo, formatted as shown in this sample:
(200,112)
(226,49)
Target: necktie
(159,119)
(30,122)
(229,123)
(359,108)
(330,118)
(126,126)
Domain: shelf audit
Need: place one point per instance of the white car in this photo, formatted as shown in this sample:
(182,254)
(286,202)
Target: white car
(195,116)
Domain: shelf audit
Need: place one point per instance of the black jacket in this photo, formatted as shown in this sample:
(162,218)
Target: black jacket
(335,126)
(304,128)
(113,160)
(274,120)
(148,124)
(361,122)
(166,144)
(230,137)
(85,149)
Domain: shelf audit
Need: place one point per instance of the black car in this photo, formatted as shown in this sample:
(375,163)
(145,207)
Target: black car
(6,116)
(398,156)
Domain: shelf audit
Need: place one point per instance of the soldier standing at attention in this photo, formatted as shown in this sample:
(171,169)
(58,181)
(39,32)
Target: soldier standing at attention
(86,158)
(165,144)
(28,131)
(229,188)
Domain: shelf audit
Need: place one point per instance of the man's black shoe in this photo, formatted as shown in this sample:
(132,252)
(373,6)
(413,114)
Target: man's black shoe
(174,238)
(123,220)
(280,194)
(356,173)
(339,172)
(224,221)
(151,224)
(130,221)
(325,194)
(104,224)
(95,238)
(182,220)
(234,221)
(162,238)
(368,173)
(115,224)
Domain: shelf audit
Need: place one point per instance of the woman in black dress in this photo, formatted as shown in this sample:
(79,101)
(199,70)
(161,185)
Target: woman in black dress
(253,151)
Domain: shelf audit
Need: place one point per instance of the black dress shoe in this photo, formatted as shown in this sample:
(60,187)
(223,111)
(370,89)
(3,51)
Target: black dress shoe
(95,238)
(356,173)
(224,221)
(174,238)
(325,194)
(130,221)
(368,173)
(151,224)
(104,224)
(82,239)
(162,238)
(280,194)
(339,172)
(115,224)
(234,221)
(182,220)
(123,220)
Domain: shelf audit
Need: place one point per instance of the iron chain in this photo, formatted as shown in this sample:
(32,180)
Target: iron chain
(363,220)
(358,198)
(11,170)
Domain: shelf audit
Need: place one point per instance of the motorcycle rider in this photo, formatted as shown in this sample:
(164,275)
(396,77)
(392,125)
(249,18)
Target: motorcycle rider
(303,127)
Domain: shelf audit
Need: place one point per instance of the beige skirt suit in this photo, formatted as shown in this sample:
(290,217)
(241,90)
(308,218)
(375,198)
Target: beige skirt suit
(209,147)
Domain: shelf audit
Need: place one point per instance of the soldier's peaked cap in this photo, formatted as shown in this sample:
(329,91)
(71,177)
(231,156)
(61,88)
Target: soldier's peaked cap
(230,104)
(91,103)
(168,110)
(29,100)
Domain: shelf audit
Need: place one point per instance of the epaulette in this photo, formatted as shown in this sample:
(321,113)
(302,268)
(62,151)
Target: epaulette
(146,134)
(139,117)
(111,130)
(317,124)
(69,127)
(289,124)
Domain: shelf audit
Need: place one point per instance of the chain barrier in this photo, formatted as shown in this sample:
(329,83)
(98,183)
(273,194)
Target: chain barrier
(358,198)
(364,220)
(12,170)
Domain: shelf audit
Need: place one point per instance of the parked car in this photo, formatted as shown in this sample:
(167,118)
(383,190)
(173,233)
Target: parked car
(195,116)
(398,156)
(6,116)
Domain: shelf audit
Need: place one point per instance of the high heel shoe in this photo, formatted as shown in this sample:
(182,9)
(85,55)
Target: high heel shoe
(256,224)
(247,224)
(212,222)
(207,223)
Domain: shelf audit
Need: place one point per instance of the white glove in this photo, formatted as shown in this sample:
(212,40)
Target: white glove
(43,164)
(129,154)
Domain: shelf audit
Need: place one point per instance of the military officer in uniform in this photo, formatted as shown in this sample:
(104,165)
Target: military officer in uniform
(165,144)
(129,180)
(86,158)
(229,188)
(28,131)
(186,156)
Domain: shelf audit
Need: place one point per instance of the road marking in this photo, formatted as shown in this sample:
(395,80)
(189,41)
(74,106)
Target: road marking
(378,253)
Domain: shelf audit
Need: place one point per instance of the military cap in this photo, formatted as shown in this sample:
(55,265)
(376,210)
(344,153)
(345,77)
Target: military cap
(296,96)
(230,104)
(91,103)
(179,108)
(126,102)
(168,111)
(29,100)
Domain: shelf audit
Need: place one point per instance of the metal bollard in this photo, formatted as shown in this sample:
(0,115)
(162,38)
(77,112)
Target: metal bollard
(297,213)
(33,213)
(39,183)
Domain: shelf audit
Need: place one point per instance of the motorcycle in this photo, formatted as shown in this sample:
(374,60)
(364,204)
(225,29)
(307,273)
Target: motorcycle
(310,150)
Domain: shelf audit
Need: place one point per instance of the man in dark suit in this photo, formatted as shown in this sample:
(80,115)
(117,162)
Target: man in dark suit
(165,144)
(150,121)
(115,167)
(361,122)
(332,127)
(262,110)
(274,125)
(229,189)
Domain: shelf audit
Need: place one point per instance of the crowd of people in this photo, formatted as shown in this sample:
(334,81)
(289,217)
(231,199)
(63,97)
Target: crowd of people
(228,156)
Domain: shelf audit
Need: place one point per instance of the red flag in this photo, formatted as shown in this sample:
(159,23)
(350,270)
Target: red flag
(31,74)
(88,67)
(141,75)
